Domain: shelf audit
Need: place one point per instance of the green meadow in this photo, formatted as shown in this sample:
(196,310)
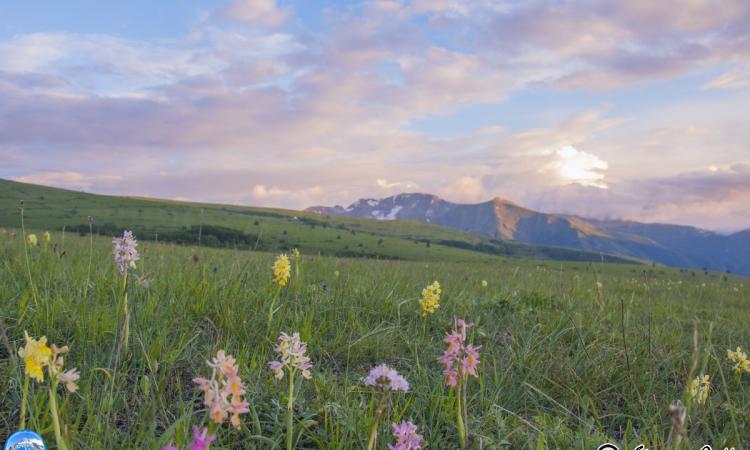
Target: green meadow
(573,354)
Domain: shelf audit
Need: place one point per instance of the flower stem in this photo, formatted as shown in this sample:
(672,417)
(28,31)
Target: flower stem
(273,302)
(55,418)
(24,399)
(460,417)
(374,429)
(28,265)
(125,314)
(91,252)
(290,412)
(465,408)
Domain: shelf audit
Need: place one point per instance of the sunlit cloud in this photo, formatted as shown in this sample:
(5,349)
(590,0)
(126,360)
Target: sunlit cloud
(574,166)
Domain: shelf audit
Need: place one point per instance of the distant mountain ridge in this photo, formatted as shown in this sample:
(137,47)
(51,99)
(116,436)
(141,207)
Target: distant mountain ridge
(674,245)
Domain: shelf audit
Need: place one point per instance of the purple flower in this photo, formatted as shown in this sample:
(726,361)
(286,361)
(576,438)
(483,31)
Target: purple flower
(383,377)
(125,252)
(460,360)
(291,351)
(201,440)
(406,437)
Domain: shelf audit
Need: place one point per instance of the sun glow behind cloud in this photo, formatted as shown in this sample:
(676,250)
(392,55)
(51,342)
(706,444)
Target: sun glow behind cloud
(574,166)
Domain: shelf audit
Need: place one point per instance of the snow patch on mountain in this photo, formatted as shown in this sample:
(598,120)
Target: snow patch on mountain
(391,215)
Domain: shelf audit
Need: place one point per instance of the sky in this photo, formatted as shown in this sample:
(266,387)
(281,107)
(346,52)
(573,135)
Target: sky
(635,110)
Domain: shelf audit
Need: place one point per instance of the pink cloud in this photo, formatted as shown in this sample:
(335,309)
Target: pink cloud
(265,12)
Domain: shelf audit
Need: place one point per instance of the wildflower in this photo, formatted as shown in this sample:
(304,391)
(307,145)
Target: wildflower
(282,270)
(387,379)
(143,281)
(678,413)
(295,253)
(222,394)
(484,283)
(31,240)
(291,351)
(55,368)
(699,388)
(46,237)
(336,273)
(201,440)
(740,360)
(69,378)
(36,355)
(406,436)
(430,301)
(292,356)
(125,252)
(599,285)
(460,360)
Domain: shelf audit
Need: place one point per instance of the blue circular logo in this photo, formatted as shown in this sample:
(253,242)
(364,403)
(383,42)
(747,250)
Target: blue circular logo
(24,440)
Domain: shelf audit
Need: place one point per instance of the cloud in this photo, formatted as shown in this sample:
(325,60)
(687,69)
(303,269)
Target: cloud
(251,107)
(264,12)
(574,166)
(397,185)
(600,46)
(730,80)
(714,198)
(68,179)
(467,189)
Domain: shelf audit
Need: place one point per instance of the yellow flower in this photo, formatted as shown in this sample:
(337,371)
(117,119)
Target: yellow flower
(430,301)
(295,253)
(484,283)
(739,358)
(35,356)
(336,273)
(282,270)
(599,285)
(32,240)
(699,388)
(46,237)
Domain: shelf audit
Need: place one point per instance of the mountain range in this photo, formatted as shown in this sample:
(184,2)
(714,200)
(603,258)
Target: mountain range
(673,245)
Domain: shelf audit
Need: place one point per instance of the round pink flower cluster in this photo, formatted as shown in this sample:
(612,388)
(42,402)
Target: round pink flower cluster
(125,252)
(292,356)
(459,359)
(406,437)
(385,378)
(223,392)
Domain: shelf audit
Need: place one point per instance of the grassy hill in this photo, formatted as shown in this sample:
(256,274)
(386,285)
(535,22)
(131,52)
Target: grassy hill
(259,228)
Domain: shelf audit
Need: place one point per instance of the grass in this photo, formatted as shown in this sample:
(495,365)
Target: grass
(564,363)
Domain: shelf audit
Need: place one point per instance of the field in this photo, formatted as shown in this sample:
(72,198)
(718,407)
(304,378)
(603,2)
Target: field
(573,354)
